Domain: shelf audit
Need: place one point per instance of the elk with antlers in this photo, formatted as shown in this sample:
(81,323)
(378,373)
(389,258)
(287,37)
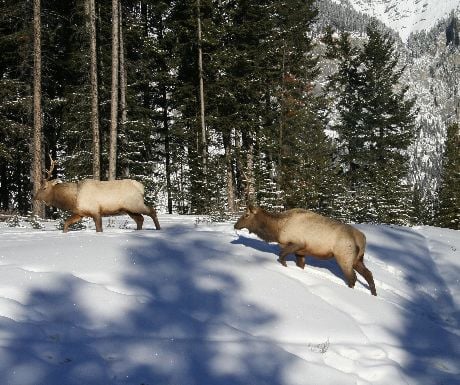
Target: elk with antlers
(96,199)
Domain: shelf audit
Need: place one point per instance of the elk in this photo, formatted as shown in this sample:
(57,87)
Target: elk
(305,233)
(96,199)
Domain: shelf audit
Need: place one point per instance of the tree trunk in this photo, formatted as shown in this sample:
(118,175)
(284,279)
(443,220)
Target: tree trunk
(96,147)
(227,141)
(200,76)
(248,174)
(114,93)
(38,207)
(167,150)
(123,111)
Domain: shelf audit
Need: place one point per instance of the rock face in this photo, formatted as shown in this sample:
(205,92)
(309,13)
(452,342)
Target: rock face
(452,36)
(406,16)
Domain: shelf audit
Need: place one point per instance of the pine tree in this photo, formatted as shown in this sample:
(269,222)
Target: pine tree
(375,129)
(15,117)
(304,152)
(449,194)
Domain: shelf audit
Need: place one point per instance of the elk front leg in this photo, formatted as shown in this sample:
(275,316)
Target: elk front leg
(286,250)
(70,221)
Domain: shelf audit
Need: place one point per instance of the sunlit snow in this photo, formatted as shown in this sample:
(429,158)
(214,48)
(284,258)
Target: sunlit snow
(197,303)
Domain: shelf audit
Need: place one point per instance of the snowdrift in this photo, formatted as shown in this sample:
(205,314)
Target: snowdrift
(197,303)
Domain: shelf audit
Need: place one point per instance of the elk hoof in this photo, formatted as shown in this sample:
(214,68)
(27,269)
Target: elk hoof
(282,262)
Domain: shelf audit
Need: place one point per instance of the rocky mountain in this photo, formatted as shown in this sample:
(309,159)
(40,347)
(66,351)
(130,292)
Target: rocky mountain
(427,33)
(405,16)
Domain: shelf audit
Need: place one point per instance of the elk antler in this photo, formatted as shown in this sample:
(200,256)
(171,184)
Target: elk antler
(248,193)
(50,171)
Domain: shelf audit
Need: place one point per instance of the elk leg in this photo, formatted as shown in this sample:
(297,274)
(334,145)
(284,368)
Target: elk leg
(347,269)
(153,214)
(98,221)
(300,261)
(138,218)
(289,249)
(74,218)
(366,273)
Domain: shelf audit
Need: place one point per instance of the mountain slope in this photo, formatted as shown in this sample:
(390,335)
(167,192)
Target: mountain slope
(406,16)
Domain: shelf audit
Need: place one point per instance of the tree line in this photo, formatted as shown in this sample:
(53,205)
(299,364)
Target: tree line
(209,103)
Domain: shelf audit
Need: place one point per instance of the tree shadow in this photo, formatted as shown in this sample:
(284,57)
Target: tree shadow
(180,316)
(184,329)
(429,333)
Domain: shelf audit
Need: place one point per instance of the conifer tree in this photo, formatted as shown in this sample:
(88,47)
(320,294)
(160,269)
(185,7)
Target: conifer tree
(449,193)
(15,123)
(304,153)
(376,126)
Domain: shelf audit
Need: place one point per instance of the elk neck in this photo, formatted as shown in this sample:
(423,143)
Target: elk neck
(268,226)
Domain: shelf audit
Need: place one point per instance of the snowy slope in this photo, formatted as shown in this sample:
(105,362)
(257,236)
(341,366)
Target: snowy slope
(406,16)
(198,304)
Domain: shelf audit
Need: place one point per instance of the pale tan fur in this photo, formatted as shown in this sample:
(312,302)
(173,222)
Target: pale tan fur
(95,199)
(303,233)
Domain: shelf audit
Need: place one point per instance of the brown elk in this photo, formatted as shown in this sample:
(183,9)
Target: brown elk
(302,232)
(96,199)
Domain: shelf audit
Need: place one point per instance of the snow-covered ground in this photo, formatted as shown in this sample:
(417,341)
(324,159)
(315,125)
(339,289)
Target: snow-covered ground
(198,304)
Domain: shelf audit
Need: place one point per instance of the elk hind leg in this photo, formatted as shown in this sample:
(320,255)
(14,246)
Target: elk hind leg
(300,261)
(138,218)
(153,215)
(366,273)
(347,269)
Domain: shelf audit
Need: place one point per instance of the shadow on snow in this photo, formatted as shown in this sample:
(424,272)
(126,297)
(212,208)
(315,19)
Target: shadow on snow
(433,351)
(182,330)
(179,333)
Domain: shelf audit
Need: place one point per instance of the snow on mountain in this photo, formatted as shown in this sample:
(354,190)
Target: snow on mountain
(197,303)
(406,16)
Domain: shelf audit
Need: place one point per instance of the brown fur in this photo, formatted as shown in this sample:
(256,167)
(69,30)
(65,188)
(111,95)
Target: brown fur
(95,199)
(302,232)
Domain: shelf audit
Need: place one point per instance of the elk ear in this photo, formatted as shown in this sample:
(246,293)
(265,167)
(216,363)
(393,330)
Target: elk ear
(251,208)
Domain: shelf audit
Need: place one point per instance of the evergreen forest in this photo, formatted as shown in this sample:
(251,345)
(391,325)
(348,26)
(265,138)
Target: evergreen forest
(212,104)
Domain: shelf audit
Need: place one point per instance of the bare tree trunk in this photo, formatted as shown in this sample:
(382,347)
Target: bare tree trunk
(38,207)
(114,98)
(167,150)
(246,166)
(251,192)
(96,147)
(200,76)
(227,139)
(123,117)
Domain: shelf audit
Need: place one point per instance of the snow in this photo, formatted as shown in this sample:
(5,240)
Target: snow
(407,16)
(198,303)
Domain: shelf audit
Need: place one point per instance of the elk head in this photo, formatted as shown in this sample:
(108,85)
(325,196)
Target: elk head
(247,219)
(47,184)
